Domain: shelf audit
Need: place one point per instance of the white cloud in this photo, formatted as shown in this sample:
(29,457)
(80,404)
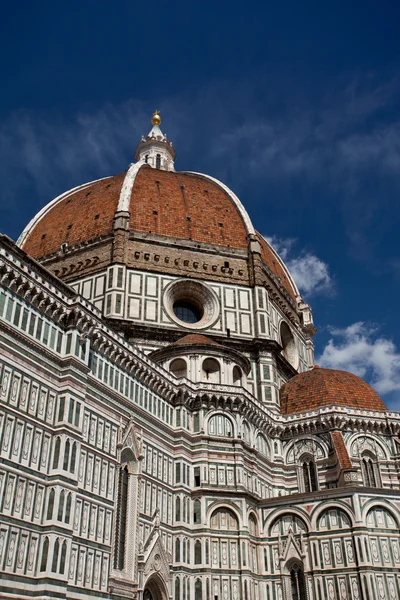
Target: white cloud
(360,349)
(310,273)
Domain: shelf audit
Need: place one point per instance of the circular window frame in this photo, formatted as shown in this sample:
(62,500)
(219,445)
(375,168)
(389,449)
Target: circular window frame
(194,292)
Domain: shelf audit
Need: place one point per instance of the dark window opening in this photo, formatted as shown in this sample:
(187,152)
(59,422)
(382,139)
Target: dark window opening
(158,161)
(197,476)
(310,476)
(297,584)
(187,312)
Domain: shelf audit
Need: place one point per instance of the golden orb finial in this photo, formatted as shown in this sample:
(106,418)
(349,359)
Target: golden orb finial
(156,119)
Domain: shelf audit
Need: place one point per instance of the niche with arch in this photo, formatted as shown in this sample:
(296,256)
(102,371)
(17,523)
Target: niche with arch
(237,375)
(289,348)
(224,519)
(178,368)
(211,371)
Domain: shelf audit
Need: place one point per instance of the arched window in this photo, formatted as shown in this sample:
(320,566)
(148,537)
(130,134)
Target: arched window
(211,371)
(178,368)
(197,553)
(298,587)
(146,159)
(73,458)
(262,445)
(50,505)
(369,470)
(56,456)
(198,590)
(253,528)
(207,552)
(177,550)
(158,161)
(63,557)
(45,553)
(196,511)
(55,556)
(184,510)
(244,560)
(177,589)
(61,506)
(68,508)
(221,426)
(237,376)
(246,432)
(310,479)
(178,509)
(66,455)
(120,533)
(224,519)
(289,348)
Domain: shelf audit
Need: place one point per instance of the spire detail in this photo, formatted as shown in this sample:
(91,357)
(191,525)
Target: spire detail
(155,149)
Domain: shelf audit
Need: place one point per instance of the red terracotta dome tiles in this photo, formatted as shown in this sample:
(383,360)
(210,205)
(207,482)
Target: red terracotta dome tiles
(324,387)
(185,206)
(195,338)
(78,217)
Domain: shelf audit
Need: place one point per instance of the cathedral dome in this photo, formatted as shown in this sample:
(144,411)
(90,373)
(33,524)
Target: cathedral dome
(326,387)
(159,205)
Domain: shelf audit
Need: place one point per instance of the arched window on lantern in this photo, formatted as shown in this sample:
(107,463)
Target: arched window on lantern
(158,161)
(309,474)
(370,470)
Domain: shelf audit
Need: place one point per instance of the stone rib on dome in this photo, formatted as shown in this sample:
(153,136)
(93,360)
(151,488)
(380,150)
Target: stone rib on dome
(325,387)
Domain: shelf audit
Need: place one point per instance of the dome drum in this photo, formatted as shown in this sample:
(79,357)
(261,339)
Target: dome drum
(201,359)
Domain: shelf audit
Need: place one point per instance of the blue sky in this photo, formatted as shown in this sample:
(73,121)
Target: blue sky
(293,105)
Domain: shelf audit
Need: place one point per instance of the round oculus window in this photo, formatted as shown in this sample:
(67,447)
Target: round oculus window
(191,304)
(187,311)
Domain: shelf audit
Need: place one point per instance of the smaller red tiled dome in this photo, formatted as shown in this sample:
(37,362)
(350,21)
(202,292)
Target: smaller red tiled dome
(195,338)
(325,387)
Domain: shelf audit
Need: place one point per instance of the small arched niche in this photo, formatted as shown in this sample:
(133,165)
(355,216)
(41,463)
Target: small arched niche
(237,376)
(211,371)
(289,349)
(178,368)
